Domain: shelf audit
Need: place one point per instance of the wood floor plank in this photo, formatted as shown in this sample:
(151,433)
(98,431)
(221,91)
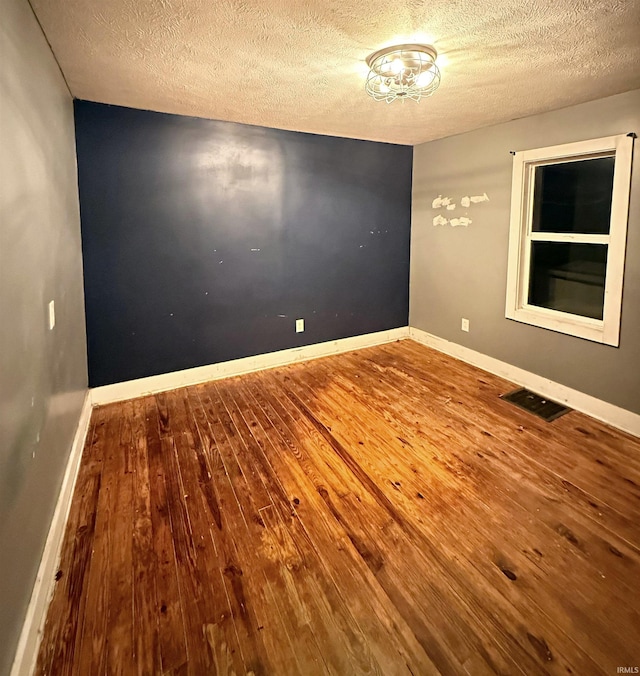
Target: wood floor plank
(260,565)
(120,641)
(58,653)
(458,611)
(520,429)
(205,604)
(604,590)
(316,601)
(229,625)
(147,659)
(489,558)
(587,432)
(375,512)
(483,459)
(372,612)
(95,630)
(443,414)
(171,631)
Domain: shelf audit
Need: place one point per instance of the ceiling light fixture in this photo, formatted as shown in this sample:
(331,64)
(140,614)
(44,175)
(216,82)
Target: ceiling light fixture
(402,72)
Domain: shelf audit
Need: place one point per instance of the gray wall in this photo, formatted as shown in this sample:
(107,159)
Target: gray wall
(461,272)
(42,373)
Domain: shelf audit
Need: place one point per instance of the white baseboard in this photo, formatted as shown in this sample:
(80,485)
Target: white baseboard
(28,645)
(26,655)
(585,403)
(168,381)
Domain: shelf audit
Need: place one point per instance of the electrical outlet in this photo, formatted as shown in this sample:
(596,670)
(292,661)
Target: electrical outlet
(299,325)
(52,314)
(465,325)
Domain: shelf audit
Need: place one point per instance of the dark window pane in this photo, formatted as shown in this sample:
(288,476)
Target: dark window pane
(573,196)
(568,277)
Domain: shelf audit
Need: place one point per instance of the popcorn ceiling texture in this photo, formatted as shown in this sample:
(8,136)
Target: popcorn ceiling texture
(301,65)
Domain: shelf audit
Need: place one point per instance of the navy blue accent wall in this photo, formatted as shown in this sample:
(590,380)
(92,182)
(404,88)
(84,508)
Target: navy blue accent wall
(203,241)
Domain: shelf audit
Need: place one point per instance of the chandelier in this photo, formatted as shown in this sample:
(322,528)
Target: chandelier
(402,72)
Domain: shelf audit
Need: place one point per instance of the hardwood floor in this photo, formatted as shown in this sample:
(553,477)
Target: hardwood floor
(381,511)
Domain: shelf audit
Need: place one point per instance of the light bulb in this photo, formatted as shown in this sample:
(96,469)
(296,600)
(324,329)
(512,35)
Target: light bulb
(397,66)
(425,78)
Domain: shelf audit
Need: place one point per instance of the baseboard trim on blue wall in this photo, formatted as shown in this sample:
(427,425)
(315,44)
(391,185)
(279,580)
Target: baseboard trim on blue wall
(24,662)
(131,389)
(618,417)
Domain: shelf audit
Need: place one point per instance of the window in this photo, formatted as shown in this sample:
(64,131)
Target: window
(569,208)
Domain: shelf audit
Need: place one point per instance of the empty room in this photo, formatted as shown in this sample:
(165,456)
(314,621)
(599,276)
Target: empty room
(319,345)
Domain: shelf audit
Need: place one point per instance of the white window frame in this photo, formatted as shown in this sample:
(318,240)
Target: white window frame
(521,235)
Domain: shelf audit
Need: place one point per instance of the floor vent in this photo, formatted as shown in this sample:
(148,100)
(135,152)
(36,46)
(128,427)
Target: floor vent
(530,401)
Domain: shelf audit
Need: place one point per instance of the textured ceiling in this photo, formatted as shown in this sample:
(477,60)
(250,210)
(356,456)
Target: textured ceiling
(301,65)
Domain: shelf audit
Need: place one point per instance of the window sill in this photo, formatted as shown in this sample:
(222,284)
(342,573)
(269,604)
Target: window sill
(562,322)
